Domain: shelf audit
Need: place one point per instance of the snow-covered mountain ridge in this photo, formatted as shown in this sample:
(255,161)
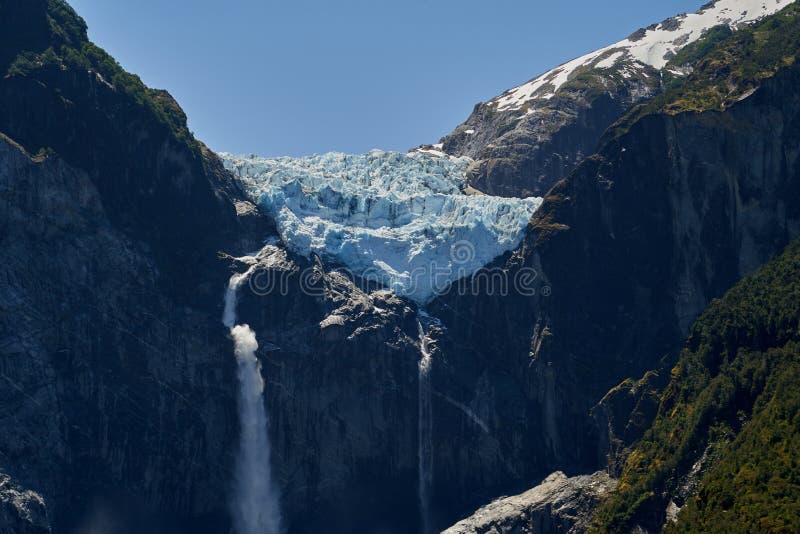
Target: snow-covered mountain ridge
(652,46)
(405,221)
(531,136)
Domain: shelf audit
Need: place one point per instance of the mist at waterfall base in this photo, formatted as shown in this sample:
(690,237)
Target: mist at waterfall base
(255,503)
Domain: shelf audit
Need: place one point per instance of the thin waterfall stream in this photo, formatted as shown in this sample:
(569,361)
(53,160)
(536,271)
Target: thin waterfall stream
(425,430)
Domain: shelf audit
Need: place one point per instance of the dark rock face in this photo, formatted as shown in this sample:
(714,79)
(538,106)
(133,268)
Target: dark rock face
(114,359)
(154,188)
(629,250)
(524,152)
(117,375)
(118,395)
(134,394)
(340,366)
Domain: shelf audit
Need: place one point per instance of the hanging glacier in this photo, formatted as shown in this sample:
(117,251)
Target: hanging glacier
(406,221)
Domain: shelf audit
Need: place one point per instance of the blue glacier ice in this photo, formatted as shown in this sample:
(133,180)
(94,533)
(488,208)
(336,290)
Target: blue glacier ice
(403,220)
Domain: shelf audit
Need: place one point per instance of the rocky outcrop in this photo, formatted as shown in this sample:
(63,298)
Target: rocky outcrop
(21,511)
(528,138)
(624,414)
(64,96)
(524,152)
(559,504)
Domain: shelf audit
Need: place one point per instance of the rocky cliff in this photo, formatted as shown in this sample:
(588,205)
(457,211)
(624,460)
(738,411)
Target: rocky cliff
(523,152)
(118,373)
(115,372)
(675,207)
(98,364)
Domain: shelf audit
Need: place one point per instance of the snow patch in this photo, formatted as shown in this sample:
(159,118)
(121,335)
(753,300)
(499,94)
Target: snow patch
(610,61)
(431,150)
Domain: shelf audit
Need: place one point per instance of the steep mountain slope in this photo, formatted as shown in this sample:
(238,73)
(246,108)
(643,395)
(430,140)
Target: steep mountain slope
(111,392)
(115,410)
(721,454)
(61,94)
(674,209)
(533,135)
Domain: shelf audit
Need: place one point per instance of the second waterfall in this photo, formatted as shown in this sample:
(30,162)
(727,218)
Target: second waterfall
(425,431)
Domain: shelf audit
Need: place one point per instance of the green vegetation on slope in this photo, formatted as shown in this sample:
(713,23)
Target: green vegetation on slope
(733,404)
(60,95)
(50,35)
(692,53)
(755,485)
(727,67)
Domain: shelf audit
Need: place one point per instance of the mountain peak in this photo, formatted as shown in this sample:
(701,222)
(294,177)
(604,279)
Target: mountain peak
(653,46)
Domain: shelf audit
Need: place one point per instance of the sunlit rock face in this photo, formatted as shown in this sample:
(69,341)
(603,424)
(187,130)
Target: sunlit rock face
(531,136)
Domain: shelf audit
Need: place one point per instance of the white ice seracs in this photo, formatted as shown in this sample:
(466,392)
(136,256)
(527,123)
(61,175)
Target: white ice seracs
(652,47)
(402,220)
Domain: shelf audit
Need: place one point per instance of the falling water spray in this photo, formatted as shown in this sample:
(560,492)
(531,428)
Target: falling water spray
(255,503)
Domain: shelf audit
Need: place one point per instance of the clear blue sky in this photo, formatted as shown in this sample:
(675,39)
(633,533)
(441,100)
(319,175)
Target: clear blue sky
(295,77)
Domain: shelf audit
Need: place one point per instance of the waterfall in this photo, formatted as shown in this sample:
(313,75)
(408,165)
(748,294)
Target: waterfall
(255,505)
(425,431)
